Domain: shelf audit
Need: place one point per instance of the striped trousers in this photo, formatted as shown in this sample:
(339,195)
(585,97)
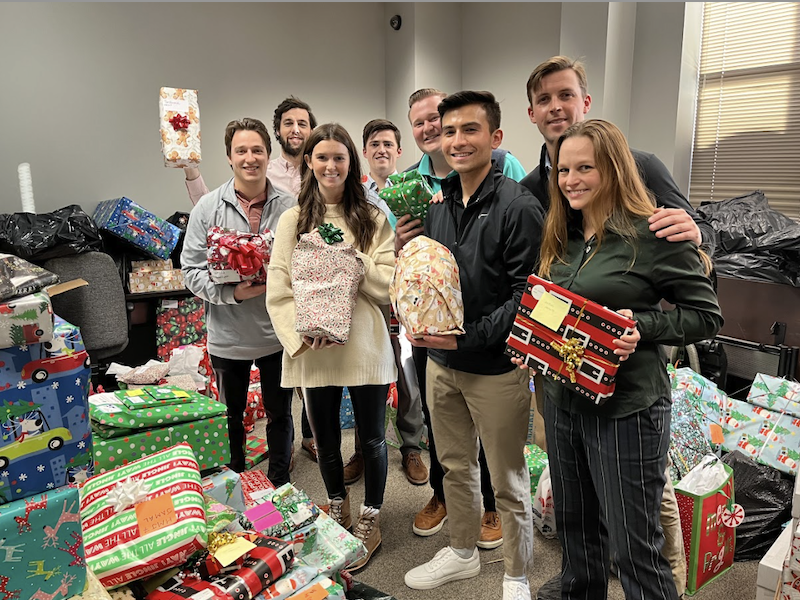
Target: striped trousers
(608,477)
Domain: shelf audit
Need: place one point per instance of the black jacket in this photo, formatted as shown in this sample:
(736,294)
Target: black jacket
(495,240)
(655,176)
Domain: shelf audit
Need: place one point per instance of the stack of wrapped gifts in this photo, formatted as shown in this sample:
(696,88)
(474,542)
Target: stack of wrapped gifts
(154,276)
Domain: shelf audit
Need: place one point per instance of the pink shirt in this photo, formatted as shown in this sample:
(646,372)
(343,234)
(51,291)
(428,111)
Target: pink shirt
(252,208)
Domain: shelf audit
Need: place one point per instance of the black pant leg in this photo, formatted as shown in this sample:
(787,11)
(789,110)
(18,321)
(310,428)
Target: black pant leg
(280,429)
(233,377)
(436,473)
(322,405)
(369,409)
(489,504)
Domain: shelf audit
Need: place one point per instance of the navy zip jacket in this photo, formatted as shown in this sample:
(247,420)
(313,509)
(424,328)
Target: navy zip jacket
(495,240)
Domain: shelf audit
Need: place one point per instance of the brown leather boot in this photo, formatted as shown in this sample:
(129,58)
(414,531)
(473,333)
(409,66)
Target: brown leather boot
(354,468)
(367,530)
(431,518)
(491,532)
(415,470)
(339,511)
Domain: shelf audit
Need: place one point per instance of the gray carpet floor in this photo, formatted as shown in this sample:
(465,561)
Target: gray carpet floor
(401,550)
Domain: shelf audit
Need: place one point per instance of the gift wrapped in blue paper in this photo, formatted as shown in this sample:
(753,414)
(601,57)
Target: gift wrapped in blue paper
(128,221)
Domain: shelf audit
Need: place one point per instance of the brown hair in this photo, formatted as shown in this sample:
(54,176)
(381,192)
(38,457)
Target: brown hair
(377,125)
(287,105)
(246,124)
(465,98)
(359,213)
(554,65)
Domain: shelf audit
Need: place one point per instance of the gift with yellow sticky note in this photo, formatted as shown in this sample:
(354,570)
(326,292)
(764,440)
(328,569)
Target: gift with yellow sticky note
(569,338)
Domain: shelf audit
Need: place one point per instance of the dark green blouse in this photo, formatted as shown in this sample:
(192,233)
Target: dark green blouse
(637,276)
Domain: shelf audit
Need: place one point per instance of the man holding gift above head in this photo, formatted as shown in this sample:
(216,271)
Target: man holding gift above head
(239,328)
(492,225)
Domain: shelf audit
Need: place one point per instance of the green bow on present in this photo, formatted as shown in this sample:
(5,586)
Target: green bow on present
(330,233)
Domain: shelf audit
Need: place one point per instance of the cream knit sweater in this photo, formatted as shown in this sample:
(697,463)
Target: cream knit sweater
(366,358)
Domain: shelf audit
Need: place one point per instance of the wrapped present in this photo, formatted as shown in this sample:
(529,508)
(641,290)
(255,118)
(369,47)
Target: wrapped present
(255,486)
(408,194)
(321,588)
(144,517)
(179,124)
(18,277)
(536,459)
(295,579)
(325,275)
(332,549)
(790,574)
(220,517)
(152,396)
(235,256)
(688,444)
(542,507)
(44,554)
(143,282)
(561,334)
(225,486)
(282,512)
(179,323)
(347,419)
(775,393)
(426,289)
(256,450)
(128,221)
(151,265)
(122,434)
(45,438)
(26,320)
(393,436)
(254,409)
(708,524)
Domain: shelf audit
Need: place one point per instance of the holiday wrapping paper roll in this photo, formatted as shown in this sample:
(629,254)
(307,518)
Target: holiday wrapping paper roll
(235,256)
(426,289)
(179,125)
(26,320)
(43,554)
(144,517)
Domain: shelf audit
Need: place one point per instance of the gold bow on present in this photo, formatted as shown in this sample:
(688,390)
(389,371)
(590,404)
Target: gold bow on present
(571,352)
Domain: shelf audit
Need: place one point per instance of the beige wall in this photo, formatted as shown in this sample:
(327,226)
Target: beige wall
(80,81)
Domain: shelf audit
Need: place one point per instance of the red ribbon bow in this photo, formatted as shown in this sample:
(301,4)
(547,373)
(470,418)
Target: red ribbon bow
(245,257)
(179,122)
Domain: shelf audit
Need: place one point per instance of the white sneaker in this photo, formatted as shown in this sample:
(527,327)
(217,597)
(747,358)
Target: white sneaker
(444,567)
(516,590)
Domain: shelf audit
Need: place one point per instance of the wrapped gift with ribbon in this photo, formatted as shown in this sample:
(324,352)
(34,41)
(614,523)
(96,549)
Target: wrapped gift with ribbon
(235,256)
(562,335)
(179,122)
(408,194)
(325,274)
(426,289)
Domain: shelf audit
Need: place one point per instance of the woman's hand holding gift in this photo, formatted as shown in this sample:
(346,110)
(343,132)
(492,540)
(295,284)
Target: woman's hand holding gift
(626,345)
(319,343)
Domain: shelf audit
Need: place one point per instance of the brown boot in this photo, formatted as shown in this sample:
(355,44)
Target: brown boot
(491,532)
(354,468)
(415,470)
(339,511)
(431,518)
(367,530)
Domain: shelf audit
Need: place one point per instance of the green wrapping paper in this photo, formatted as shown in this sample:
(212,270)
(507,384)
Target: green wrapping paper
(536,458)
(408,194)
(332,549)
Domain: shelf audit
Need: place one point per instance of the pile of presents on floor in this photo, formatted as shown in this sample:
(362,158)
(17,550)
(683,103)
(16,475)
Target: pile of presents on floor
(733,465)
(124,494)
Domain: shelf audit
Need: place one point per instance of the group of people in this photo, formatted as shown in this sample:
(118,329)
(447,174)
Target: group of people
(610,224)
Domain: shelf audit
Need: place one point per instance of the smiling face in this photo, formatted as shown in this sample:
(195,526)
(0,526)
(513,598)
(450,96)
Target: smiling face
(578,177)
(294,130)
(558,103)
(330,163)
(467,139)
(248,158)
(382,152)
(426,124)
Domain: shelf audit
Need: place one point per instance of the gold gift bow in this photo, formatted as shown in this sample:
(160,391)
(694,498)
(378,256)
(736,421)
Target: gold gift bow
(217,540)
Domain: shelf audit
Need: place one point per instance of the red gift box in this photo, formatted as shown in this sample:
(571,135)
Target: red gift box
(235,256)
(254,486)
(580,353)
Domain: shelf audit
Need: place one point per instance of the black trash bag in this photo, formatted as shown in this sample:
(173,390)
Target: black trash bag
(766,498)
(39,237)
(758,266)
(180,220)
(18,277)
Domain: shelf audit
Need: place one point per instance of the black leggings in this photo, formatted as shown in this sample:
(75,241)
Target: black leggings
(369,408)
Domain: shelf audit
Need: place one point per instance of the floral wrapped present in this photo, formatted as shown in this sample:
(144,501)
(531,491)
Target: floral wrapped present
(179,124)
(536,459)
(325,275)
(408,194)
(225,486)
(43,546)
(426,289)
(46,440)
(179,323)
(282,512)
(563,335)
(18,277)
(26,320)
(144,517)
(332,549)
(775,393)
(255,486)
(125,219)
(235,256)
(688,443)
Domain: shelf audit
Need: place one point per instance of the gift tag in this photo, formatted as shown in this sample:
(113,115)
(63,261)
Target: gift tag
(550,311)
(303,514)
(155,514)
(734,517)
(230,552)
(315,592)
(717,437)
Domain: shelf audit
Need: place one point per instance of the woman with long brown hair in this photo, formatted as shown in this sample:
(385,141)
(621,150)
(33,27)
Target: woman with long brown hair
(608,462)
(331,192)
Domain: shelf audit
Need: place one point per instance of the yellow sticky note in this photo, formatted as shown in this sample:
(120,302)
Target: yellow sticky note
(230,552)
(136,392)
(180,394)
(550,311)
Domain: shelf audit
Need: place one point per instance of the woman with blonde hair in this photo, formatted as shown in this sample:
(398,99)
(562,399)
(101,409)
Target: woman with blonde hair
(331,192)
(608,462)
